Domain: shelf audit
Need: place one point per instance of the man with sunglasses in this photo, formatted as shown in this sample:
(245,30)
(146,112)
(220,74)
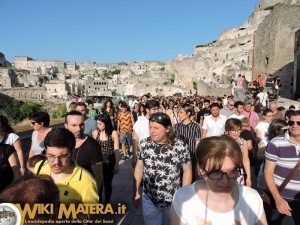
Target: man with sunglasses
(75,184)
(282,154)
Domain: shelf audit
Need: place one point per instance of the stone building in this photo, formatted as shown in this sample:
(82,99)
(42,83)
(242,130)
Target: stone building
(274,44)
(57,89)
(96,86)
(5,79)
(296,86)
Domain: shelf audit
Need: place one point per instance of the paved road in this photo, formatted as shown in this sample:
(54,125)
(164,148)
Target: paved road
(122,193)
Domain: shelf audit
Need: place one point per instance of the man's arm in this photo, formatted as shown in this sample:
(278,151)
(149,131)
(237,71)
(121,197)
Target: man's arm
(187,174)
(135,143)
(97,170)
(138,176)
(281,204)
(14,163)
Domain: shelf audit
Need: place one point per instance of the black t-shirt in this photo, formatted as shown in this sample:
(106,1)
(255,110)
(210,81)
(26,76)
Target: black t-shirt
(203,112)
(88,154)
(6,174)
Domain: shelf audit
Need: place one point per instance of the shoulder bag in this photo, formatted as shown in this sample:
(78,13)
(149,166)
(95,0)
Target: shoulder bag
(267,197)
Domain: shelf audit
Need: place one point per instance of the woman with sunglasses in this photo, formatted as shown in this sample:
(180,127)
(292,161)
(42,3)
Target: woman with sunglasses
(160,160)
(217,198)
(233,128)
(40,122)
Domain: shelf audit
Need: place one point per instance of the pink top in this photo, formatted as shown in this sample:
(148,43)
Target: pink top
(252,117)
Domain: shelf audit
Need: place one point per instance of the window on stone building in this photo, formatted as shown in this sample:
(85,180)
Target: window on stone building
(267,60)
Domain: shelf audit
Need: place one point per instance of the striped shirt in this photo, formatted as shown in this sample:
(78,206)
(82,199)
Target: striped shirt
(189,133)
(282,151)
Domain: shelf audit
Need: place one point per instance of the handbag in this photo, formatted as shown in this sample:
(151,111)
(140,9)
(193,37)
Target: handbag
(267,197)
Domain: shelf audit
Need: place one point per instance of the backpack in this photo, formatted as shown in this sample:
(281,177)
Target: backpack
(6,173)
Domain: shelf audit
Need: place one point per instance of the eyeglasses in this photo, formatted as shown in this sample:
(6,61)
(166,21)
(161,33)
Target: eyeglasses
(291,123)
(175,107)
(231,105)
(218,175)
(61,158)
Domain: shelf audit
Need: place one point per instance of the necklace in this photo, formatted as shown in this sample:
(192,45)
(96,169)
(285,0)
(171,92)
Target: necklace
(78,149)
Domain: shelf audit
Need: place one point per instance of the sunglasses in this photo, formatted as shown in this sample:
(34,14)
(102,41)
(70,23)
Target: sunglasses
(291,123)
(218,175)
(34,122)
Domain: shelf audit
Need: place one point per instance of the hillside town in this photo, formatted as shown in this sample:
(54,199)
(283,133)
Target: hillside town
(260,46)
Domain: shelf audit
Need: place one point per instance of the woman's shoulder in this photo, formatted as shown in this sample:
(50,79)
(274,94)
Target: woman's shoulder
(248,193)
(186,192)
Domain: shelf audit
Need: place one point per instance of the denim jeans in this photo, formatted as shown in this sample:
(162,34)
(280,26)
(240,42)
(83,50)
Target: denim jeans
(153,215)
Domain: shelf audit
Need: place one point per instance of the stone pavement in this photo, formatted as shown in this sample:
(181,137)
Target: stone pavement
(122,193)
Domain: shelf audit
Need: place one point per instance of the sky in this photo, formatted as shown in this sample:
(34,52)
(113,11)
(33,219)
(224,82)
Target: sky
(111,31)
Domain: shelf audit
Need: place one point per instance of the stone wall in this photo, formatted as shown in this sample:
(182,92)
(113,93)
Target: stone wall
(296,86)
(25,94)
(274,43)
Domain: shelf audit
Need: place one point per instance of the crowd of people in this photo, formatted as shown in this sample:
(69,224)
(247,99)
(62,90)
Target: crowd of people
(197,158)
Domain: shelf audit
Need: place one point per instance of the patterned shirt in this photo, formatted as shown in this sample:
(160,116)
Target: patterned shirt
(162,164)
(125,121)
(282,151)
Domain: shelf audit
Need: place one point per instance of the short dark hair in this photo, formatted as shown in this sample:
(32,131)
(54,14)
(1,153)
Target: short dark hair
(61,138)
(81,104)
(293,113)
(41,117)
(206,100)
(214,105)
(292,107)
(72,113)
(237,103)
(151,104)
(122,104)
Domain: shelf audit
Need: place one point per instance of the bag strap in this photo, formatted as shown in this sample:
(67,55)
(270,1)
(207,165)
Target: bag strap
(4,139)
(289,177)
(40,167)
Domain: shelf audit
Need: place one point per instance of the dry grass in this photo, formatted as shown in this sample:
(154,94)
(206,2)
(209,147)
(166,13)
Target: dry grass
(25,125)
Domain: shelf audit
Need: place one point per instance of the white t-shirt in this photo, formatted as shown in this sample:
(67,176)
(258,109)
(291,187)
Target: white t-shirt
(263,98)
(237,117)
(192,211)
(11,139)
(263,128)
(141,128)
(214,127)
